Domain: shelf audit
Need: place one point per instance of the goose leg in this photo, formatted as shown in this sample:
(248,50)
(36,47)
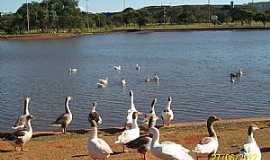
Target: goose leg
(144,156)
(209,156)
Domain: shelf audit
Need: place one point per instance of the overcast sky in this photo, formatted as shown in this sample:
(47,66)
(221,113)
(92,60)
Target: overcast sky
(117,5)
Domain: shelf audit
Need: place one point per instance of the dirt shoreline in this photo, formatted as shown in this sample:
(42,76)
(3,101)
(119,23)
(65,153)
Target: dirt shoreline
(55,36)
(232,134)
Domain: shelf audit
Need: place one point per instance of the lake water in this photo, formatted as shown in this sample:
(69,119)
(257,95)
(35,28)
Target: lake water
(194,69)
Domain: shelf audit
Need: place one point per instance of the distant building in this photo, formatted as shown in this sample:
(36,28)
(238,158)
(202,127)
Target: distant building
(262,6)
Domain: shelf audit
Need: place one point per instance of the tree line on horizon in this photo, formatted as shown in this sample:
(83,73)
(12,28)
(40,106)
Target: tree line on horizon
(65,15)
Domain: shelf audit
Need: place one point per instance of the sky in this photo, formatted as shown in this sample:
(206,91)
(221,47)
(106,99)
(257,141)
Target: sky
(117,5)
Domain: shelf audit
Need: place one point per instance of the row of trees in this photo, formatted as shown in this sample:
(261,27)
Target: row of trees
(65,15)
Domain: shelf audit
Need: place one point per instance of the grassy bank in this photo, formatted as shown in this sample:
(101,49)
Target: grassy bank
(34,35)
(232,134)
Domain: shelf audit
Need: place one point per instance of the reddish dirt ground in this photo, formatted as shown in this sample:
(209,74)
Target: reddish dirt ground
(72,146)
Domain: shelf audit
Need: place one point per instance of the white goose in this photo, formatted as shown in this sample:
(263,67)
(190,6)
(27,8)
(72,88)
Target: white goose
(94,115)
(167,150)
(129,134)
(22,121)
(102,83)
(251,150)
(117,67)
(152,114)
(20,137)
(64,119)
(131,110)
(167,114)
(123,82)
(209,145)
(72,70)
(97,147)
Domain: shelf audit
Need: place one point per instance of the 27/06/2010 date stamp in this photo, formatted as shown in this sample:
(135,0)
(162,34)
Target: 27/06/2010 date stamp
(248,156)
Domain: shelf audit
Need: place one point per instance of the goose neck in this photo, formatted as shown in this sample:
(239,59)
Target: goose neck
(155,138)
(211,131)
(67,106)
(94,109)
(250,136)
(26,107)
(93,133)
(30,129)
(169,105)
(134,123)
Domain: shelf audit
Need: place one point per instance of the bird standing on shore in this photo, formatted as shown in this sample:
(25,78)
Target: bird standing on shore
(64,119)
(94,115)
(20,137)
(251,151)
(209,145)
(21,122)
(97,147)
(152,114)
(131,110)
(129,134)
(167,150)
(167,114)
(142,143)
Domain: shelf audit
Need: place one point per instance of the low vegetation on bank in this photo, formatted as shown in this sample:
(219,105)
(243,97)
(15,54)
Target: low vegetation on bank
(54,16)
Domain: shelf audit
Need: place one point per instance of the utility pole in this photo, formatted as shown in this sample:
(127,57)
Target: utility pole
(164,12)
(124,7)
(209,13)
(87,14)
(27,12)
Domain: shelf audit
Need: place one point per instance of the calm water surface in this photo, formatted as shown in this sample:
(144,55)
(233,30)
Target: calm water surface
(193,67)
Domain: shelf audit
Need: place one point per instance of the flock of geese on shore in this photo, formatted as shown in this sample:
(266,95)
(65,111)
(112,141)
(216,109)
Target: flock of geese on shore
(131,137)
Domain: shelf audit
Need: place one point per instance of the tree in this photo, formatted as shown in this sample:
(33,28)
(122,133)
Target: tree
(260,17)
